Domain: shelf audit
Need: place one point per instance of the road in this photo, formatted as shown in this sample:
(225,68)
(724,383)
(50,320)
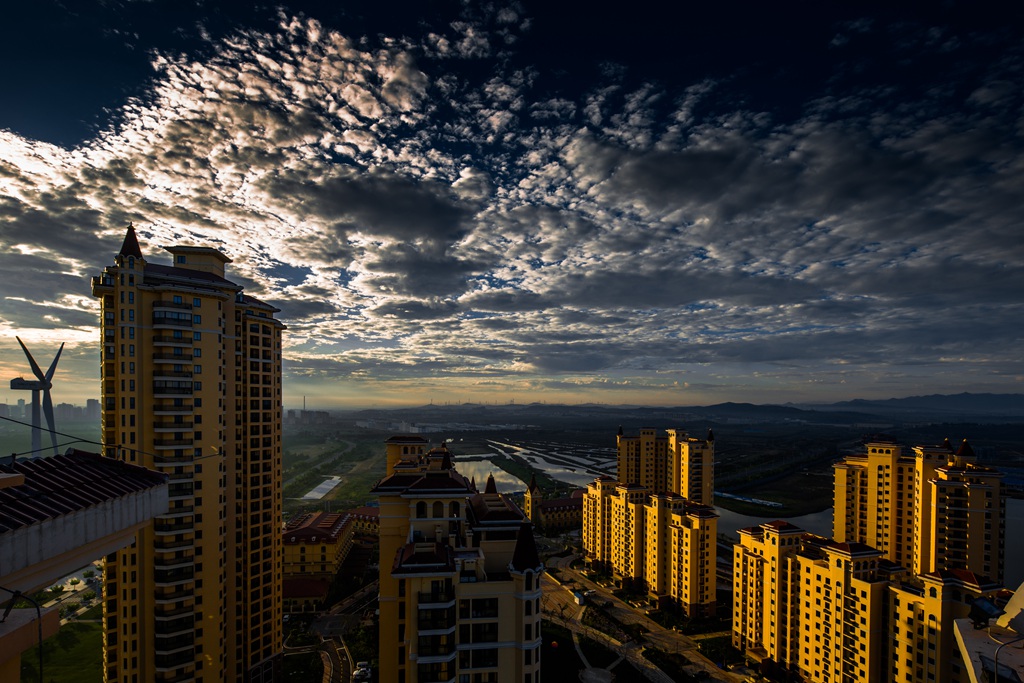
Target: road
(559,603)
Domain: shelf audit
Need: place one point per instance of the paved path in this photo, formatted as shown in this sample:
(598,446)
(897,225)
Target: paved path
(666,640)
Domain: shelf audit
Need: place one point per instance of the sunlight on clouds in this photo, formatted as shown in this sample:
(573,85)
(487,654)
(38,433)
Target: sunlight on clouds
(421,227)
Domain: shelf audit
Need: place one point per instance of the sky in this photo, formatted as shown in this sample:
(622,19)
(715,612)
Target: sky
(535,201)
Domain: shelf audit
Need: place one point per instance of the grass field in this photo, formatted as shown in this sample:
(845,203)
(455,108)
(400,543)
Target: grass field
(74,655)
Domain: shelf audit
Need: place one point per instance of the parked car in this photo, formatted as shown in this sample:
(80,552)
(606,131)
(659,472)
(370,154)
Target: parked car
(362,675)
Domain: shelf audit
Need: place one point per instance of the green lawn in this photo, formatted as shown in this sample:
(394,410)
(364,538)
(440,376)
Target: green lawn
(74,655)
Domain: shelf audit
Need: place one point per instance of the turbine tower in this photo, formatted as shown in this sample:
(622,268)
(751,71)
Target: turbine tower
(41,384)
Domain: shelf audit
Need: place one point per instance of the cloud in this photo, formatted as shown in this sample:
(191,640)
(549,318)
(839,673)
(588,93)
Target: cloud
(428,208)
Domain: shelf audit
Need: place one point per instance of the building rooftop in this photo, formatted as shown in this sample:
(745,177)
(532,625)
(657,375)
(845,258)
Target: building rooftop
(320,527)
(59,513)
(61,484)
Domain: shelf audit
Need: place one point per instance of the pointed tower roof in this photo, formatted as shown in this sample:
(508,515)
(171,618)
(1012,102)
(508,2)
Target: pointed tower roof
(472,482)
(965,450)
(491,487)
(947,445)
(711,435)
(130,246)
(525,555)
(620,430)
(533,482)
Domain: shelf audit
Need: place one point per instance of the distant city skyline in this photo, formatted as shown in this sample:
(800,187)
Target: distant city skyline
(660,206)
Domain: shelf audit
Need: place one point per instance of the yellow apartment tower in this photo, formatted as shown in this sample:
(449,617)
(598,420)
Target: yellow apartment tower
(460,578)
(928,509)
(842,613)
(675,462)
(191,387)
(660,542)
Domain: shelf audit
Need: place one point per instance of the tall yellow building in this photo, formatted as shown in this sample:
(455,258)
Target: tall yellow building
(659,542)
(191,387)
(675,462)
(927,509)
(460,576)
(842,610)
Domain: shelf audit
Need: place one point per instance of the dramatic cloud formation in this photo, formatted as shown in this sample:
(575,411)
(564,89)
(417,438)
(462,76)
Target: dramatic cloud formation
(448,213)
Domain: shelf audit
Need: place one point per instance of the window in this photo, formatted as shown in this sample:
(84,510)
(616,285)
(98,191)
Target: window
(197,319)
(197,369)
(181,258)
(197,336)
(196,301)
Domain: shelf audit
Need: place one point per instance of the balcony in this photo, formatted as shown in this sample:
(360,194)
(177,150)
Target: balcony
(159,373)
(171,443)
(167,597)
(175,610)
(436,599)
(173,561)
(178,511)
(163,677)
(161,425)
(171,321)
(173,342)
(169,577)
(173,546)
(163,528)
(172,304)
(169,409)
(169,663)
(165,392)
(173,627)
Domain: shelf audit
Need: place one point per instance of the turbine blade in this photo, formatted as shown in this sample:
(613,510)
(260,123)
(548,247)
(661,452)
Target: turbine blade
(32,361)
(48,411)
(53,365)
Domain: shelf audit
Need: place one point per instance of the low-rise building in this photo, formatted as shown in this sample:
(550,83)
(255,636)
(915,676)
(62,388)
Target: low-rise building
(315,546)
(553,515)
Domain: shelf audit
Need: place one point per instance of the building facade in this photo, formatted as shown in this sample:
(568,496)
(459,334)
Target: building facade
(674,462)
(553,515)
(927,508)
(460,576)
(191,387)
(315,546)
(661,543)
(843,610)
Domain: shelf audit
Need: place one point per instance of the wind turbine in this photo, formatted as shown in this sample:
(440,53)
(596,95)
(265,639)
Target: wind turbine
(41,384)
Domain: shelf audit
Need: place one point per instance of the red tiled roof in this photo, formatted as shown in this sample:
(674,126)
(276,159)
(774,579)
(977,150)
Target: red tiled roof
(320,527)
(423,558)
(62,484)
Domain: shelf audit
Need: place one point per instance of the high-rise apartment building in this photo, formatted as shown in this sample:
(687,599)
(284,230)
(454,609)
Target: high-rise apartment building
(191,387)
(660,542)
(675,462)
(928,509)
(459,575)
(654,527)
(842,613)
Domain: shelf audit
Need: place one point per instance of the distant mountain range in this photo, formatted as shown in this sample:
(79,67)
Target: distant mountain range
(949,405)
(965,407)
